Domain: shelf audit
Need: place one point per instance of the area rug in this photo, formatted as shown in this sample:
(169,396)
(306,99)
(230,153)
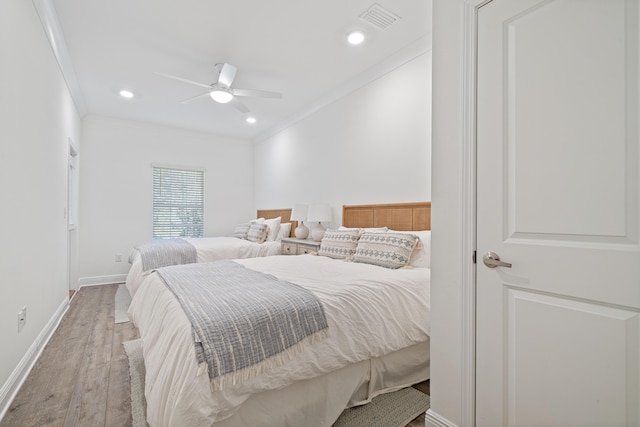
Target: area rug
(136,373)
(395,409)
(122,301)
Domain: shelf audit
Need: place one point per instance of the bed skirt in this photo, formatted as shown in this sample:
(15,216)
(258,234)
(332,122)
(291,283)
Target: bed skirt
(320,401)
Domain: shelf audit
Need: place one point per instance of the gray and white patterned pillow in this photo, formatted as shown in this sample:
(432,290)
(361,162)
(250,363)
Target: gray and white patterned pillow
(390,250)
(241,231)
(257,233)
(339,244)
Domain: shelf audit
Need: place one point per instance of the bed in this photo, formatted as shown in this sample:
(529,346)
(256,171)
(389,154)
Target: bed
(378,340)
(215,248)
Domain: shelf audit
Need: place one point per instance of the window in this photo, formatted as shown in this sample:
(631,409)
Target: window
(178,202)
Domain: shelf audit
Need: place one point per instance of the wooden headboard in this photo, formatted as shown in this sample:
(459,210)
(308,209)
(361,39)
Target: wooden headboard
(396,216)
(284,214)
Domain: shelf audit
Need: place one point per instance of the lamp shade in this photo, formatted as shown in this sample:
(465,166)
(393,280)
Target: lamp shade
(319,212)
(299,212)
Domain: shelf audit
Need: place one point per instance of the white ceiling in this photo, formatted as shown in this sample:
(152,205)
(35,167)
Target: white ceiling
(295,47)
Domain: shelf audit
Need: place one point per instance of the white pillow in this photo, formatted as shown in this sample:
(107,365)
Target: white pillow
(274,227)
(285,231)
(366,230)
(241,231)
(257,221)
(421,256)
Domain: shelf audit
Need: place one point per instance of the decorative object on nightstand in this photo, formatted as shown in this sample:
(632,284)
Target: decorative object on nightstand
(319,212)
(299,213)
(291,246)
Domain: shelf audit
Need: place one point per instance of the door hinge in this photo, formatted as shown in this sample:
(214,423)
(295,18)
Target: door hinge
(474,257)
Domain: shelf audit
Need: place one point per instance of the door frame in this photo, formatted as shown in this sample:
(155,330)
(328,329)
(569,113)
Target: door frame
(468,224)
(72,162)
(467,263)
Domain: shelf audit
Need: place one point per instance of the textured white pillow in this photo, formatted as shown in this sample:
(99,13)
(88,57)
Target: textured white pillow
(339,244)
(285,231)
(390,250)
(274,227)
(257,233)
(421,256)
(241,231)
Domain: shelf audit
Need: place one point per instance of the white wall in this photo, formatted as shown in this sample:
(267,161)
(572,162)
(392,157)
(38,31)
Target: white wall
(446,214)
(372,146)
(37,118)
(116,187)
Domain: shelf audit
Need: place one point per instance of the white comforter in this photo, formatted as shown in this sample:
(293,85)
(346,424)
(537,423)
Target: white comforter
(209,249)
(371,311)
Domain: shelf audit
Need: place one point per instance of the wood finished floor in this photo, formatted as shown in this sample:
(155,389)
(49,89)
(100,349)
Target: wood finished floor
(82,376)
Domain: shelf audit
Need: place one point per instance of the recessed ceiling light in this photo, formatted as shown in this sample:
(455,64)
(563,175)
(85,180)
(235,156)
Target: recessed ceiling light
(126,94)
(251,120)
(355,37)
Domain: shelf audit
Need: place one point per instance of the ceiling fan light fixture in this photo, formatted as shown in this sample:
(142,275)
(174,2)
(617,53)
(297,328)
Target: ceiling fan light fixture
(221,96)
(251,120)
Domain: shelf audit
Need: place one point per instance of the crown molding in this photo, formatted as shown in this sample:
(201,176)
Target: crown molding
(398,59)
(51,26)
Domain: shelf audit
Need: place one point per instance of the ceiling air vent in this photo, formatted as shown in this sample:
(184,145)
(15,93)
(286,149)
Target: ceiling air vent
(379,17)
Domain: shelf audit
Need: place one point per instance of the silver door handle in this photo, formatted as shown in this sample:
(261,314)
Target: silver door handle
(492,260)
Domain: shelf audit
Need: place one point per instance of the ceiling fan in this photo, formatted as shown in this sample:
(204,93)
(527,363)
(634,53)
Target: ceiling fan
(221,90)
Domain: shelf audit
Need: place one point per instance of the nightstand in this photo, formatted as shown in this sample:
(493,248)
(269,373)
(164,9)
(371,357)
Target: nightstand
(291,246)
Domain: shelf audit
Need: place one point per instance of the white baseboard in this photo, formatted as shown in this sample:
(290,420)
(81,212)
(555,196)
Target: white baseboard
(433,419)
(19,375)
(102,280)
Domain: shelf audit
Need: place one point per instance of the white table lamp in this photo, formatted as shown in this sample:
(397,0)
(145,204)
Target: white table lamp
(319,212)
(299,213)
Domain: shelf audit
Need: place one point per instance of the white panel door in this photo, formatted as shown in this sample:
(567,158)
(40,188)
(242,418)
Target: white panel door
(558,333)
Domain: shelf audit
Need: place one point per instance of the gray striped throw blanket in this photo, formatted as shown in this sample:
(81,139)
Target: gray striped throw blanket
(244,322)
(164,252)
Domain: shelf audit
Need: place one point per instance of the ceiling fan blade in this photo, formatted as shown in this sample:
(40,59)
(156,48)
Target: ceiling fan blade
(180,79)
(195,97)
(227,74)
(239,105)
(257,93)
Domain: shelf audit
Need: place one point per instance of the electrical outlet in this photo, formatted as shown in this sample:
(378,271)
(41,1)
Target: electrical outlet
(118,257)
(22,318)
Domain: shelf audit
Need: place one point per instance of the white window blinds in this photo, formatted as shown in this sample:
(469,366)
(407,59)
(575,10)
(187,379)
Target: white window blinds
(178,202)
